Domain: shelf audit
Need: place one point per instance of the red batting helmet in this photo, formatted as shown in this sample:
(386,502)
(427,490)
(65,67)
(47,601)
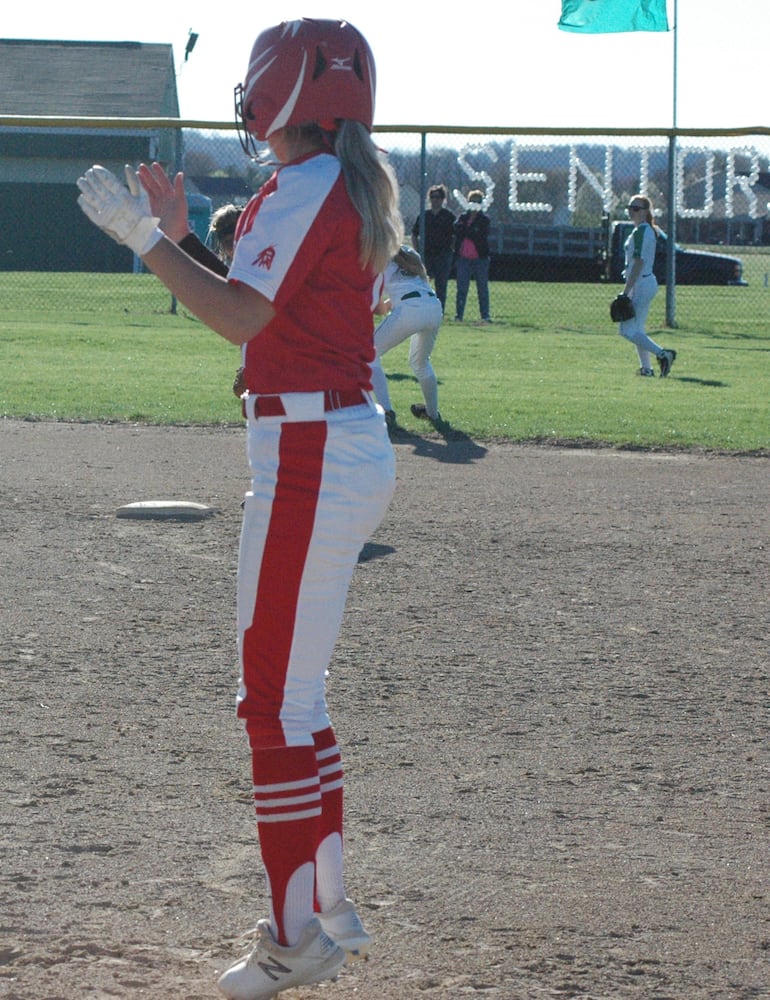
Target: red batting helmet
(306,71)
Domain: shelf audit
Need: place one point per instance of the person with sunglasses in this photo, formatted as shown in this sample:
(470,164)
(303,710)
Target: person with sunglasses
(437,253)
(641,286)
(472,256)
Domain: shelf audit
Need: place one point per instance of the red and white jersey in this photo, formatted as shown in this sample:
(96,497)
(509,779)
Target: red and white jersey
(298,244)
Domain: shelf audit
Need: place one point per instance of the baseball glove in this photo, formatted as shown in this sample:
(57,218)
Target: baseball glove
(239,383)
(621,308)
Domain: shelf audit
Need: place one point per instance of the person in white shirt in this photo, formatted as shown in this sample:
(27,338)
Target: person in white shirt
(411,309)
(641,286)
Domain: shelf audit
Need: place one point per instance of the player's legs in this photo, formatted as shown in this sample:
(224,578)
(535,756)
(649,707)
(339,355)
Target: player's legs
(643,294)
(420,348)
(389,332)
(319,489)
(329,873)
(482,285)
(645,360)
(405,319)
(395,328)
(442,267)
(634,328)
(359,478)
(644,345)
(463,283)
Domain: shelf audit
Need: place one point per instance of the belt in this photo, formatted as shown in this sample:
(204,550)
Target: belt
(416,295)
(334,399)
(647,275)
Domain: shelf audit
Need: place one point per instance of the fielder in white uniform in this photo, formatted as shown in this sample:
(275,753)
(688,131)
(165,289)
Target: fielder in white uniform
(412,310)
(642,286)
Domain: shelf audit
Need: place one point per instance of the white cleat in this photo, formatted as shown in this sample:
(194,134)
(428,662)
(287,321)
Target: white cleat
(344,927)
(270,968)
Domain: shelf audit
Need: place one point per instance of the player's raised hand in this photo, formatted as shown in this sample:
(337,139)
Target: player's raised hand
(122,213)
(167,200)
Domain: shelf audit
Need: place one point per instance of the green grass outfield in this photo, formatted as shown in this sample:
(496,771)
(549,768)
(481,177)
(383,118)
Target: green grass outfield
(551,367)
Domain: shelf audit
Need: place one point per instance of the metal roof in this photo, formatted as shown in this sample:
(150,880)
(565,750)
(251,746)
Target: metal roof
(132,79)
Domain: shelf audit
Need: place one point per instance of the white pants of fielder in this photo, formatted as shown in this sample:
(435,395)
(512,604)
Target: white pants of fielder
(643,293)
(419,319)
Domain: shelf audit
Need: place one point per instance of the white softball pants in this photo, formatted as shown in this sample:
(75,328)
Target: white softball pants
(420,319)
(643,292)
(321,483)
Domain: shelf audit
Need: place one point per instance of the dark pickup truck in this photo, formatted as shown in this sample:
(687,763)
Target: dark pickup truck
(693,267)
(523,252)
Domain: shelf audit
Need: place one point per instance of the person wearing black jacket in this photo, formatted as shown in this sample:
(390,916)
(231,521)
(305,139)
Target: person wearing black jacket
(439,238)
(472,256)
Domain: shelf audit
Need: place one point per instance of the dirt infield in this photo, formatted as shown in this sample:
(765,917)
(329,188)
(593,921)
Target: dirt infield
(551,693)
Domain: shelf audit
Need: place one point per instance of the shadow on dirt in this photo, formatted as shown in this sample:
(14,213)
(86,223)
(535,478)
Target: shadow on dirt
(446,444)
(372,550)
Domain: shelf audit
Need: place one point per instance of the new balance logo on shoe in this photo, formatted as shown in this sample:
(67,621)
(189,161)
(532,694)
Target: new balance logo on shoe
(270,968)
(273,968)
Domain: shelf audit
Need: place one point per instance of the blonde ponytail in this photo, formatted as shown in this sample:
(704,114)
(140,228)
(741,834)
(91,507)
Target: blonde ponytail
(373,189)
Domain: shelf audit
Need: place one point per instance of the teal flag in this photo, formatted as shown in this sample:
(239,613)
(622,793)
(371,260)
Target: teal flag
(598,17)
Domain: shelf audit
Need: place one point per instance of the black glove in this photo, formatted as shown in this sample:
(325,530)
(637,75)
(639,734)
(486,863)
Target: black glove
(621,308)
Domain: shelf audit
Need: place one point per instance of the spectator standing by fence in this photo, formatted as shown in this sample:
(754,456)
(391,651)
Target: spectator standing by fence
(471,232)
(438,222)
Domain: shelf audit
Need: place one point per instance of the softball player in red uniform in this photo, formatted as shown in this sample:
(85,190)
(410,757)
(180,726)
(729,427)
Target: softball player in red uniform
(299,299)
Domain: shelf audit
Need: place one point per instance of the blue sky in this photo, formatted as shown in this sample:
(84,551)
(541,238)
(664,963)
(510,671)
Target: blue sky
(454,68)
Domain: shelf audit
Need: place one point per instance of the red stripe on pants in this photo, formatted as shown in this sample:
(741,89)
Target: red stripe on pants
(267,643)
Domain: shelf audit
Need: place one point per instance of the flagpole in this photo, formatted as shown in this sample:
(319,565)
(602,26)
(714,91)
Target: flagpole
(672,192)
(676,25)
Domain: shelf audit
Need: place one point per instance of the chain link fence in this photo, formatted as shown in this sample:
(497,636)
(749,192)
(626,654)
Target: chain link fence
(556,203)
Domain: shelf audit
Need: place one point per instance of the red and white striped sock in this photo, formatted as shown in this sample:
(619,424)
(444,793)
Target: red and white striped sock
(287,798)
(330,886)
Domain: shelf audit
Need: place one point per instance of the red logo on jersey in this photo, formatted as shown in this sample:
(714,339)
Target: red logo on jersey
(265,258)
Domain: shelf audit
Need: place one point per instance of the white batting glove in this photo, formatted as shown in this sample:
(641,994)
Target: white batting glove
(122,213)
